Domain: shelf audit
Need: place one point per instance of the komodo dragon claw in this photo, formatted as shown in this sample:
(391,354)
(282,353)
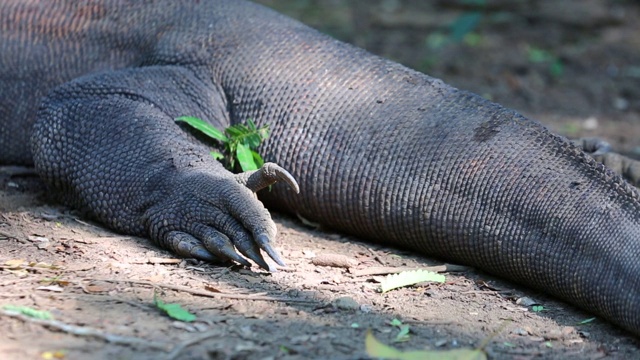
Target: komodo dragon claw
(267,175)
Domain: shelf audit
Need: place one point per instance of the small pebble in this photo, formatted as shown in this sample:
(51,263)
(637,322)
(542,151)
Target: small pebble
(520,331)
(346,303)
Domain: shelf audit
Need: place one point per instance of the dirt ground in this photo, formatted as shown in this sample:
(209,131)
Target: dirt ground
(574,65)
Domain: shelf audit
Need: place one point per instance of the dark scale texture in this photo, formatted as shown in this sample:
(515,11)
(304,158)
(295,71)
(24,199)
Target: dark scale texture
(379,151)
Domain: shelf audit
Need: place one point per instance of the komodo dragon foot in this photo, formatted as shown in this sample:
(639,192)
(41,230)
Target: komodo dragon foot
(213,246)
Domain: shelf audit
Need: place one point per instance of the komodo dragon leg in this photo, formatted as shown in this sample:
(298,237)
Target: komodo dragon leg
(165,186)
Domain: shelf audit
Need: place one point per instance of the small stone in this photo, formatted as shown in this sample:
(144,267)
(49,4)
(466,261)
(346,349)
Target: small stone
(590,123)
(301,339)
(568,330)
(520,331)
(553,335)
(49,217)
(621,104)
(441,342)
(201,327)
(183,326)
(346,303)
(527,301)
(40,241)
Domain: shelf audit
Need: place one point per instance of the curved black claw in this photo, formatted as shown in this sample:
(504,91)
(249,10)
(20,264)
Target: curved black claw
(265,244)
(220,245)
(187,246)
(249,249)
(267,175)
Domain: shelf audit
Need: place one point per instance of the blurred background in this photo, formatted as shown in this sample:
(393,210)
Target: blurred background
(573,64)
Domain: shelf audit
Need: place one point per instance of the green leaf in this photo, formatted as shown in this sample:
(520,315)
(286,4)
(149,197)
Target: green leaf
(437,40)
(472,39)
(245,158)
(248,135)
(239,140)
(556,68)
(175,311)
(407,278)
(204,127)
(465,24)
(378,350)
(253,140)
(257,159)
(236,131)
(30,312)
(264,132)
(216,155)
(586,321)
(403,334)
(537,308)
(251,124)
(537,55)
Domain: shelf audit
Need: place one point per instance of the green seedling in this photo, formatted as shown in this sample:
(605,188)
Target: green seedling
(240,142)
(536,55)
(403,334)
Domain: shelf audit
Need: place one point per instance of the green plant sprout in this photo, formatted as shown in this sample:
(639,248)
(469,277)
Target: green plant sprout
(240,142)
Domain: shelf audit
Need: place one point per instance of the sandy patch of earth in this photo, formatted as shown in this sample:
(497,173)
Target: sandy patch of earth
(105,282)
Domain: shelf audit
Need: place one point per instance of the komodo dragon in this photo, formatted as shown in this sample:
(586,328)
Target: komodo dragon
(379,151)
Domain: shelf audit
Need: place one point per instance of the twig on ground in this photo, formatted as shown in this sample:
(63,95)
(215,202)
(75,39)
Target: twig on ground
(159,260)
(5,295)
(106,298)
(8,235)
(487,292)
(191,341)
(334,260)
(207,293)
(88,224)
(17,281)
(383,270)
(29,267)
(87,331)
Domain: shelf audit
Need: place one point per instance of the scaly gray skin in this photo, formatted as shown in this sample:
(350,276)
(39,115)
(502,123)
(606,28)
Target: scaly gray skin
(379,151)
